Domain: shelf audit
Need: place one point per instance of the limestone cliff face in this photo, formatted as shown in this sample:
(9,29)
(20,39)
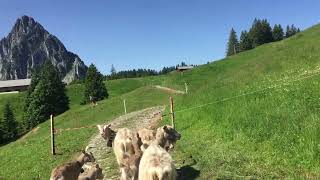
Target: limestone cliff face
(29,45)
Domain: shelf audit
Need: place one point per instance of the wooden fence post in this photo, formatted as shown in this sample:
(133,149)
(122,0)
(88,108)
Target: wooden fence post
(172,112)
(125,108)
(186,86)
(53,152)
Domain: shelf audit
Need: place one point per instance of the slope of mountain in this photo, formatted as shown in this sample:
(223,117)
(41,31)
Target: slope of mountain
(29,45)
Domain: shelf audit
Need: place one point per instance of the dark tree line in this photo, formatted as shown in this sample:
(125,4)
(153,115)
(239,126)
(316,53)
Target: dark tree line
(259,33)
(132,74)
(135,73)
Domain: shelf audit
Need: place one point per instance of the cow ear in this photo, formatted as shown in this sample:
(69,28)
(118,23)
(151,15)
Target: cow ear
(97,166)
(165,127)
(105,127)
(86,149)
(83,152)
(100,128)
(109,125)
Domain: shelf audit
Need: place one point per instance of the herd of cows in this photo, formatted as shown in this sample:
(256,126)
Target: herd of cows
(141,155)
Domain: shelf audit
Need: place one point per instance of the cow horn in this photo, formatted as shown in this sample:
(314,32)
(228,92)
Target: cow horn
(172,123)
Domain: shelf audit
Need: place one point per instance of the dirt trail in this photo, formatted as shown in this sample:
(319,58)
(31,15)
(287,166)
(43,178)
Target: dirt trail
(170,90)
(136,120)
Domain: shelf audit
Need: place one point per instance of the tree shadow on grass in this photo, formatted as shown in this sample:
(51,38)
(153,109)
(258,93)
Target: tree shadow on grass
(187,173)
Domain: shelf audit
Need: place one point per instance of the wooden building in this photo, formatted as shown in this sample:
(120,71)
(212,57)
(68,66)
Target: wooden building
(184,68)
(14,85)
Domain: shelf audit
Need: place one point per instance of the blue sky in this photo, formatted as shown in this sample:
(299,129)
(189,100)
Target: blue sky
(149,33)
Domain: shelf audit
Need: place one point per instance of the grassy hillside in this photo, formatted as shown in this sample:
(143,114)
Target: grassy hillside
(273,133)
(30,156)
(253,115)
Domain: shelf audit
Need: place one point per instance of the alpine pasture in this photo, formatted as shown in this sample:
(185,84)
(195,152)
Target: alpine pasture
(251,115)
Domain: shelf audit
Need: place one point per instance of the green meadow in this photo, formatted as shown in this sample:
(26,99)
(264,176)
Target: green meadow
(252,115)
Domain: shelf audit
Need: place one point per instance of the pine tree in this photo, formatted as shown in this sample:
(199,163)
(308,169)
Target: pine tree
(288,31)
(277,32)
(8,124)
(294,30)
(48,97)
(233,44)
(267,31)
(260,32)
(245,42)
(291,30)
(113,70)
(95,89)
(35,78)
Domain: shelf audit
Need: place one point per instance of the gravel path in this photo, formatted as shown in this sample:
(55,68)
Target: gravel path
(146,118)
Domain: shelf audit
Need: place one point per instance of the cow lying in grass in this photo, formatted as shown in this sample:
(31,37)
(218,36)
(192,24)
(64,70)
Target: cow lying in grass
(156,164)
(95,172)
(71,170)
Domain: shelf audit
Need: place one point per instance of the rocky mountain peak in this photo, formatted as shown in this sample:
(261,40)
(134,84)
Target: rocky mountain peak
(24,24)
(29,45)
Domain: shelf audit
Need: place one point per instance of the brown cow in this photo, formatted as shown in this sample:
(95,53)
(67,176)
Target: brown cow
(71,170)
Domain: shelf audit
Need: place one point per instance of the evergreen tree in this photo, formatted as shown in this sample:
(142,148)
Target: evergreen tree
(277,32)
(35,78)
(260,32)
(291,30)
(47,98)
(288,31)
(245,42)
(294,30)
(95,89)
(8,124)
(113,70)
(233,44)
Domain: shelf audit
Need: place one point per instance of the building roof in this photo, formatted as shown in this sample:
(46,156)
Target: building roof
(15,83)
(184,67)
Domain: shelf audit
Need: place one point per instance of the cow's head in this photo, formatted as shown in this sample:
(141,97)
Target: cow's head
(98,171)
(107,133)
(88,156)
(167,137)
